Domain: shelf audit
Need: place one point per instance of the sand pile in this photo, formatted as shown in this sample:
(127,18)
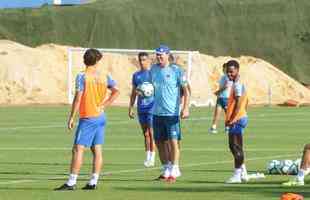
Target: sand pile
(39,76)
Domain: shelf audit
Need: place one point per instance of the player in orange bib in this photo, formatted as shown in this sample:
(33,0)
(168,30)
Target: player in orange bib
(236,120)
(91,99)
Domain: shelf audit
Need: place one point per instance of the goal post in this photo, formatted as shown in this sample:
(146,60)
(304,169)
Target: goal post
(122,63)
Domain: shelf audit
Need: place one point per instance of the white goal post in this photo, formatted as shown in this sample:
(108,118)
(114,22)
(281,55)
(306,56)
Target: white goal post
(75,56)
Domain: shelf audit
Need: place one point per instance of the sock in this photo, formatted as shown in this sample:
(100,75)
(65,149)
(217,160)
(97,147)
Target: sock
(301,174)
(148,155)
(94,179)
(307,171)
(238,172)
(152,155)
(243,168)
(213,126)
(72,179)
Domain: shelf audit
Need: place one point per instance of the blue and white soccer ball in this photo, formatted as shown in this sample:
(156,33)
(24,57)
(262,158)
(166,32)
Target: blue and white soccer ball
(274,167)
(145,89)
(285,166)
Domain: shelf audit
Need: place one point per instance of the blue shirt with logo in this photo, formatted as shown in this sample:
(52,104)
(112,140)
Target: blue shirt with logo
(167,83)
(144,104)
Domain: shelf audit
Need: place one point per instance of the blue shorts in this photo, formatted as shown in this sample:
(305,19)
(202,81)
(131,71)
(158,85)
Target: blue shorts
(239,126)
(166,128)
(146,118)
(222,102)
(90,131)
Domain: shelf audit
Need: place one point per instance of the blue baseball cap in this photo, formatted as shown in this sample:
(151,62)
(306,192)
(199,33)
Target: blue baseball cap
(162,49)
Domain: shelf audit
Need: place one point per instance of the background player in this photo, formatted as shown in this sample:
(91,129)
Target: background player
(222,98)
(236,120)
(90,100)
(144,108)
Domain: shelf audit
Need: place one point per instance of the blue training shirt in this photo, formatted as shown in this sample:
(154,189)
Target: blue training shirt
(144,104)
(224,81)
(167,83)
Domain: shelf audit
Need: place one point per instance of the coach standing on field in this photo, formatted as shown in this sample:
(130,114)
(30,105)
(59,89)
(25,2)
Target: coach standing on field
(169,81)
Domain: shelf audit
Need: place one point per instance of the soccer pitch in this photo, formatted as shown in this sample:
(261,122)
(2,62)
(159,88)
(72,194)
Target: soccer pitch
(36,150)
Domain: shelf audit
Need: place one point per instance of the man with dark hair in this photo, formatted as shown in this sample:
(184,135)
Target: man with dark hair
(236,120)
(90,100)
(144,107)
(168,79)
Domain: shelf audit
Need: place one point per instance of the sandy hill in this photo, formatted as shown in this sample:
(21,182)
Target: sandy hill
(39,75)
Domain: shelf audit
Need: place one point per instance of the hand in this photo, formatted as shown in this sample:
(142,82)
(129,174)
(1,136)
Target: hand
(100,108)
(70,123)
(228,123)
(217,93)
(185,113)
(131,113)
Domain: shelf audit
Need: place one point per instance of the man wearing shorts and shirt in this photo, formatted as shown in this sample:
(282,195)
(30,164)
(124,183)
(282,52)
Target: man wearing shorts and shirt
(168,80)
(236,120)
(90,100)
(144,107)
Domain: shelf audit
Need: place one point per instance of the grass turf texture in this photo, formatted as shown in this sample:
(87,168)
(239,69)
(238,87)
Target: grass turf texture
(275,30)
(35,155)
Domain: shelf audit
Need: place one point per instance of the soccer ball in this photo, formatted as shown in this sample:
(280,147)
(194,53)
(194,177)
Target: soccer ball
(145,89)
(273,167)
(293,170)
(285,166)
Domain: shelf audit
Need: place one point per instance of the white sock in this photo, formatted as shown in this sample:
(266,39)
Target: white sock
(72,179)
(94,179)
(301,174)
(238,172)
(213,126)
(148,155)
(152,155)
(244,169)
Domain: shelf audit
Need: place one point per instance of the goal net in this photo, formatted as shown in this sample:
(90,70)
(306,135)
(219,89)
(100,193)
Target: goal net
(122,63)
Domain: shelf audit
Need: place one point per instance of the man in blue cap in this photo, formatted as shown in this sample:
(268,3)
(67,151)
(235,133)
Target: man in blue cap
(168,80)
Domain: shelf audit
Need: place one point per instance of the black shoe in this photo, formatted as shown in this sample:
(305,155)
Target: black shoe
(89,187)
(65,187)
(160,178)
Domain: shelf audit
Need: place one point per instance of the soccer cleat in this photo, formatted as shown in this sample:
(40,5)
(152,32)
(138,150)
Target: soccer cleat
(171,179)
(65,187)
(244,176)
(212,131)
(234,179)
(161,178)
(149,163)
(294,182)
(89,187)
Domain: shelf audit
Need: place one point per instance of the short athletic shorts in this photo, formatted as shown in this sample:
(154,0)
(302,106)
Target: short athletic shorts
(90,131)
(166,128)
(239,126)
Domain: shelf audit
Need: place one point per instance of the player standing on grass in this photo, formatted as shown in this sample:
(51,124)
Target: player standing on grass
(90,100)
(222,98)
(236,120)
(304,169)
(144,108)
(168,79)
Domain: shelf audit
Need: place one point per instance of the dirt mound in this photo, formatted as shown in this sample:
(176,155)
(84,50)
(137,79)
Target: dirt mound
(39,76)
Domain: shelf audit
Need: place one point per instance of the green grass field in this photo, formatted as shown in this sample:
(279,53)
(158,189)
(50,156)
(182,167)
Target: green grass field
(277,31)
(35,154)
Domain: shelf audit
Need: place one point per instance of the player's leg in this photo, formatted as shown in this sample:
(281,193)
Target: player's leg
(304,169)
(174,137)
(96,149)
(216,117)
(160,141)
(235,138)
(145,121)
